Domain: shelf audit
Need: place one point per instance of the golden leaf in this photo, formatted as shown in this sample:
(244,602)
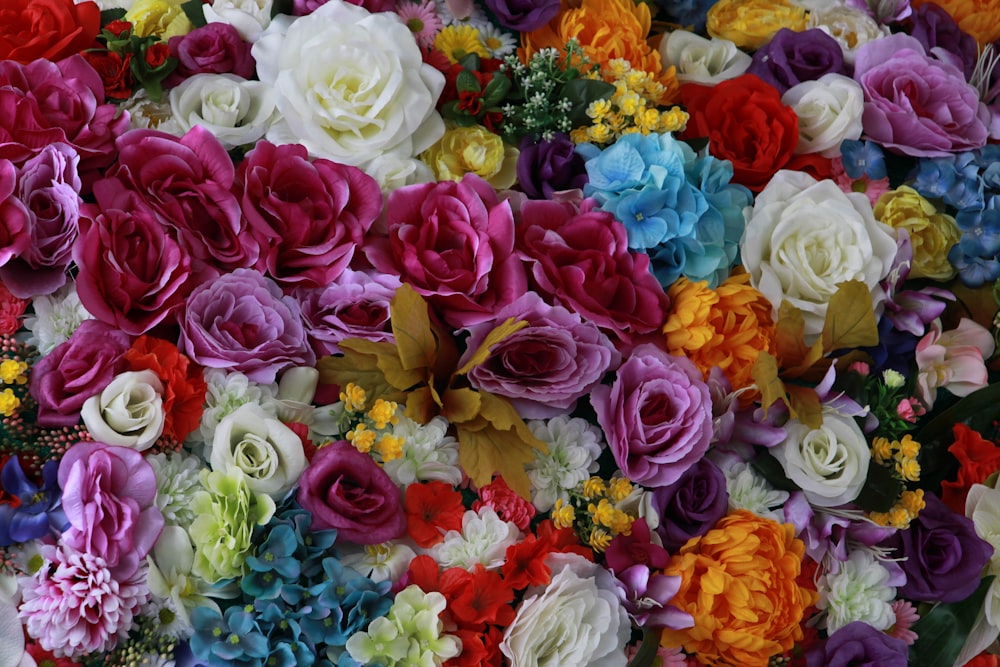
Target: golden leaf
(420,405)
(850,318)
(492,338)
(765,375)
(804,405)
(360,369)
(411,327)
(387,357)
(485,450)
(461,405)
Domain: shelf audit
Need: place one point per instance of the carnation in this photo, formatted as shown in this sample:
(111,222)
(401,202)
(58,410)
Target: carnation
(177,480)
(228,391)
(56,317)
(858,590)
(484,539)
(573,446)
(751,492)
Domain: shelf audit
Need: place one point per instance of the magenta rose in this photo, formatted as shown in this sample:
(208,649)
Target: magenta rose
(241,322)
(545,367)
(454,243)
(15,233)
(346,490)
(580,260)
(75,370)
(916,104)
(109,497)
(215,48)
(355,305)
(312,213)
(656,416)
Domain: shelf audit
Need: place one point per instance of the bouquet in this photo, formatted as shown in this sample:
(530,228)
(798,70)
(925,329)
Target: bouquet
(499,332)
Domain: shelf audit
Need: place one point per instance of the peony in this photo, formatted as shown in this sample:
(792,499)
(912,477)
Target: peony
(829,110)
(235,110)
(752,23)
(351,85)
(805,237)
(476,150)
(851,27)
(215,48)
(128,412)
(701,60)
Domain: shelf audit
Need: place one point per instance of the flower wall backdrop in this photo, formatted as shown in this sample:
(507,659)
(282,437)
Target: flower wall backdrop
(499,332)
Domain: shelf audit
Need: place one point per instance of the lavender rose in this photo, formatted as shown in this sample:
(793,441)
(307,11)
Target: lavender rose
(242,322)
(792,57)
(690,506)
(656,415)
(858,644)
(546,366)
(346,490)
(548,166)
(215,48)
(523,15)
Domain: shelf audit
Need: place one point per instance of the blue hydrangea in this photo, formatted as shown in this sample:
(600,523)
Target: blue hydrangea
(231,639)
(953,179)
(689,14)
(863,158)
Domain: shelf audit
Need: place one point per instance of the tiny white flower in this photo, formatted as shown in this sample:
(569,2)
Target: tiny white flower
(177,480)
(378,562)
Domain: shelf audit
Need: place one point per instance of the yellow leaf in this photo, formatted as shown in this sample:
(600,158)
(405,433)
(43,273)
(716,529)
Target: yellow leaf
(789,335)
(460,405)
(360,369)
(492,338)
(850,318)
(765,375)
(411,327)
(420,405)
(485,450)
(387,357)
(804,405)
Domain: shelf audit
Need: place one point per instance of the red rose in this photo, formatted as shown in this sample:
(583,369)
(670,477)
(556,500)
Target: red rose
(978,459)
(115,71)
(49,29)
(745,123)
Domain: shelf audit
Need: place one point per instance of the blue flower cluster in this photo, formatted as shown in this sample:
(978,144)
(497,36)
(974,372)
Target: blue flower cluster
(298,603)
(678,207)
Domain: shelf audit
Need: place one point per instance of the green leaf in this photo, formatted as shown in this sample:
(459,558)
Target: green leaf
(109,15)
(467,81)
(646,655)
(771,470)
(195,14)
(496,90)
(942,632)
(881,489)
(580,93)
(470,61)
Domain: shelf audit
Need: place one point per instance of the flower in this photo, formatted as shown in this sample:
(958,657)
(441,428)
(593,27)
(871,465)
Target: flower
(829,110)
(576,620)
(429,453)
(780,247)
(432,509)
(227,391)
(858,590)
(183,385)
(176,482)
(234,637)
(738,581)
(972,18)
(48,29)
(547,166)
(573,446)
(851,27)
(483,538)
(237,111)
(859,643)
(36,512)
(163,18)
(752,23)
(931,233)
(473,149)
(978,459)
(214,48)
(366,68)
(701,60)
(792,57)
(521,15)
(953,359)
(692,505)
(249,17)
(170,578)
(346,490)
(422,19)
(656,415)
(128,412)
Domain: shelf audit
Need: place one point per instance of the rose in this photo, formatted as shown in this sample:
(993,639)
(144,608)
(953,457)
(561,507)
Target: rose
(656,416)
(249,17)
(829,111)
(215,48)
(704,61)
(75,370)
(523,15)
(915,104)
(791,57)
(109,496)
(851,28)
(454,243)
(346,490)
(576,620)
(241,322)
(860,645)
(235,110)
(351,85)
(312,214)
(937,31)
(692,505)
(941,554)
(476,150)
(829,463)
(128,412)
(932,234)
(115,71)
(546,366)
(752,23)
(15,236)
(547,166)
(795,224)
(47,29)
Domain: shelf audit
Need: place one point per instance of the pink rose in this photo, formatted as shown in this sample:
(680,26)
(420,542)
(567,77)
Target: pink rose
(15,237)
(215,48)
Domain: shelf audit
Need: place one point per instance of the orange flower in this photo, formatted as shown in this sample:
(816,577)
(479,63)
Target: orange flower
(738,581)
(976,17)
(605,30)
(183,381)
(725,327)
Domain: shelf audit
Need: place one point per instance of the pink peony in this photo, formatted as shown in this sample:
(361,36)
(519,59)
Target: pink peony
(953,360)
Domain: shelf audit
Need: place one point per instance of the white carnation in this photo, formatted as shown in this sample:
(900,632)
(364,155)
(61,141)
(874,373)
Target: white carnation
(484,539)
(858,591)
(574,446)
(429,453)
(749,491)
(56,318)
(228,391)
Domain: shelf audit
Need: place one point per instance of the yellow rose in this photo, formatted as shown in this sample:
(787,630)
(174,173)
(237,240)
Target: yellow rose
(164,18)
(750,24)
(476,150)
(931,233)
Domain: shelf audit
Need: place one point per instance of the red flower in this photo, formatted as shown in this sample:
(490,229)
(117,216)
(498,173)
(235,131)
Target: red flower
(157,54)
(984,660)
(47,29)
(978,459)
(11,310)
(183,383)
(115,71)
(480,648)
(524,564)
(477,597)
(508,505)
(432,509)
(470,101)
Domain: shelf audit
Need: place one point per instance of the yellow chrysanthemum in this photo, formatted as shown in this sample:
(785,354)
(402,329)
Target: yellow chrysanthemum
(599,540)
(908,469)
(459,40)
(619,488)
(362,438)
(353,398)
(621,523)
(12,371)
(976,17)
(908,447)
(752,23)
(383,413)
(594,487)
(882,450)
(563,514)
(389,447)
(602,513)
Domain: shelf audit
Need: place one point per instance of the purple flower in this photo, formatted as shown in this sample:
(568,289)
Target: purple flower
(690,506)
(523,15)
(934,28)
(546,366)
(109,496)
(39,513)
(548,166)
(858,644)
(216,48)
(792,57)
(636,548)
(241,322)
(917,105)
(828,535)
(647,595)
(944,556)
(656,415)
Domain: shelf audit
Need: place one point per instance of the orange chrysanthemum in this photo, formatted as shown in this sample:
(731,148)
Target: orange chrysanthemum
(605,30)
(725,327)
(738,581)
(976,17)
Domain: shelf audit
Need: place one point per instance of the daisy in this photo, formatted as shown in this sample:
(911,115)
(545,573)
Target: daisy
(497,42)
(422,19)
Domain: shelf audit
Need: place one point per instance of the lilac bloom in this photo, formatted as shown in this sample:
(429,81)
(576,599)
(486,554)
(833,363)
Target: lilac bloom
(911,310)
(646,598)
(40,510)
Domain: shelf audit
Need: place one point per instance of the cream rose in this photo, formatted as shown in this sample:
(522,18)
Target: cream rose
(237,111)
(249,17)
(829,463)
(701,60)
(128,412)
(269,453)
(351,86)
(849,26)
(804,237)
(829,111)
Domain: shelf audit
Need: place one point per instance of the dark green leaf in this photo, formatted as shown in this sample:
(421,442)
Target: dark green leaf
(496,90)
(771,470)
(942,631)
(646,654)
(469,61)
(195,14)
(109,15)
(580,93)
(282,7)
(880,491)
(467,81)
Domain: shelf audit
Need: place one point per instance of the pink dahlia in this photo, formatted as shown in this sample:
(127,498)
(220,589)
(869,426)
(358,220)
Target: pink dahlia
(73,605)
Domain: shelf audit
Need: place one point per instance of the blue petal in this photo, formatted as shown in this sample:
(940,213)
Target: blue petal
(15,482)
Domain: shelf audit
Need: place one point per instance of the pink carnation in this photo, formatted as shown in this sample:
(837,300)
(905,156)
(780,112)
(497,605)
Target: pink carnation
(508,505)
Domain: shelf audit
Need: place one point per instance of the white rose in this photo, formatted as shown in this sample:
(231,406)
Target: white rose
(351,85)
(268,452)
(829,111)
(804,237)
(249,17)
(128,413)
(829,463)
(392,172)
(236,111)
(701,60)
(575,621)
(851,27)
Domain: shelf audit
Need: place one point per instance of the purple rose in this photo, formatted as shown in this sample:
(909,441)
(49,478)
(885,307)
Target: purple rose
(546,366)
(241,322)
(690,506)
(346,490)
(75,370)
(355,305)
(109,497)
(523,15)
(934,28)
(656,416)
(215,48)
(545,167)
(917,105)
(792,57)
(858,644)
(943,555)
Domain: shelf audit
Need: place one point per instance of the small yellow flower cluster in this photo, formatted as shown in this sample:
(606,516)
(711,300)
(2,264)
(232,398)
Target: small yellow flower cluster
(9,403)
(13,371)
(634,107)
(903,453)
(367,426)
(903,512)
(595,511)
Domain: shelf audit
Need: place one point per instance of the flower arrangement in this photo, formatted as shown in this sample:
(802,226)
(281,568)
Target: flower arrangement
(499,332)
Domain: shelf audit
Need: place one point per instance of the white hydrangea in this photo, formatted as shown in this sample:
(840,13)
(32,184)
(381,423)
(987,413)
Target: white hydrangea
(574,446)
(56,318)
(749,491)
(858,591)
(228,391)
(429,453)
(484,539)
(177,480)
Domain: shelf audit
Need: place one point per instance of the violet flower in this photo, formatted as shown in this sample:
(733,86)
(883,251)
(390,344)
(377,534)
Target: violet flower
(40,511)
(646,598)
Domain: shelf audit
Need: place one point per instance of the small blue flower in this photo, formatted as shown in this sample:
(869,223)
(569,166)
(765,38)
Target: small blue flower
(973,269)
(274,564)
(231,640)
(954,179)
(40,511)
(862,158)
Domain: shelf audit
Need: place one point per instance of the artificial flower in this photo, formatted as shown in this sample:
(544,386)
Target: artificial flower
(483,538)
(249,17)
(859,643)
(473,149)
(792,57)
(177,479)
(237,111)
(931,232)
(751,24)
(829,110)
(572,448)
(953,359)
(851,27)
(48,29)
(128,412)
(701,60)
(858,590)
(691,506)
(214,48)
(978,458)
